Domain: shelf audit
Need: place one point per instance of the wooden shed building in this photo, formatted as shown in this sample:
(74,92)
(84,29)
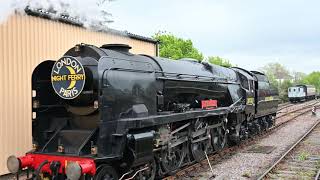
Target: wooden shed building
(26,41)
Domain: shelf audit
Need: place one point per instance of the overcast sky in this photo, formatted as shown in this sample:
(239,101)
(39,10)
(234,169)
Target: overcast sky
(250,33)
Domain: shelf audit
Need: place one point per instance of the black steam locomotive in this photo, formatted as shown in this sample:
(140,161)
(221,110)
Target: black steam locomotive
(104,113)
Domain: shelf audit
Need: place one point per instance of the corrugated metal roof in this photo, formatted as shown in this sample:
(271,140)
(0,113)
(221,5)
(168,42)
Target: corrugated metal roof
(65,18)
(139,37)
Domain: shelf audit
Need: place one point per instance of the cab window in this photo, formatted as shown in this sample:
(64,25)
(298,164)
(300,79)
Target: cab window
(244,82)
(251,85)
(263,85)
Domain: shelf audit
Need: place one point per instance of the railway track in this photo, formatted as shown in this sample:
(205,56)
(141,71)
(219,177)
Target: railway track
(216,157)
(300,161)
(285,105)
(304,106)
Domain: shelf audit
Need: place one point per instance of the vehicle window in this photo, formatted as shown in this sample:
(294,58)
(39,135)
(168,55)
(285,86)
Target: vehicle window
(263,85)
(289,90)
(244,82)
(261,77)
(251,84)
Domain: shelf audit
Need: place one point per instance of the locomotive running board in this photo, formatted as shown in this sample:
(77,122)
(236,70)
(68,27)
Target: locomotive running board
(142,122)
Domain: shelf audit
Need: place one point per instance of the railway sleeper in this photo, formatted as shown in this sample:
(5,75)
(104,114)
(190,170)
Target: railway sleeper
(305,161)
(304,168)
(286,176)
(302,163)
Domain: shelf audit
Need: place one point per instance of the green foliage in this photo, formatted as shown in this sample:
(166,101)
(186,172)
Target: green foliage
(277,71)
(219,61)
(279,78)
(303,156)
(306,173)
(313,79)
(298,77)
(246,175)
(176,48)
(283,90)
(318,164)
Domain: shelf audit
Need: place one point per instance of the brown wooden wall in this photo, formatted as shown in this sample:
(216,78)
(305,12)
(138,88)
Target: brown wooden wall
(25,41)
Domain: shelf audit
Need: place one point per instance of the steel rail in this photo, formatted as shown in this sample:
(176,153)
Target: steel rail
(317,176)
(288,151)
(285,106)
(301,108)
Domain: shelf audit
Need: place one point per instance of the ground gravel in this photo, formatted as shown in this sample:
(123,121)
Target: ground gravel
(244,165)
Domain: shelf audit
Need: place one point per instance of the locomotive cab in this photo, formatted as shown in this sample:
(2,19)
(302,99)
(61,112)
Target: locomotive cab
(248,84)
(267,97)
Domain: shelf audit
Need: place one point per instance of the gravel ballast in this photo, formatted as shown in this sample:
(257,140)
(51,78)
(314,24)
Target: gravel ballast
(244,165)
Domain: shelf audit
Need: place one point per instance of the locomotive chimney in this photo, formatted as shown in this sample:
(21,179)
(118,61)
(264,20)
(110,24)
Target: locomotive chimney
(117,47)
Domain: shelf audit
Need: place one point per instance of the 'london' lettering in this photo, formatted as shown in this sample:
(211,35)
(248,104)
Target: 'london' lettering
(68,77)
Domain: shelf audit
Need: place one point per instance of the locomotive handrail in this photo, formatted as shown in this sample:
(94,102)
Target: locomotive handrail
(233,106)
(190,80)
(192,75)
(179,74)
(166,77)
(86,141)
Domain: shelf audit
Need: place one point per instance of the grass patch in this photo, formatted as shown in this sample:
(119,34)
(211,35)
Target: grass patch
(303,156)
(246,174)
(318,164)
(307,173)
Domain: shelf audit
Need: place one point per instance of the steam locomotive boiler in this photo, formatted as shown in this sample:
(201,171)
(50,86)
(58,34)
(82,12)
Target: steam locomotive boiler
(105,113)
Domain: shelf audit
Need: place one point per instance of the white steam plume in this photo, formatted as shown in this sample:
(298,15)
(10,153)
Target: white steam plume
(89,12)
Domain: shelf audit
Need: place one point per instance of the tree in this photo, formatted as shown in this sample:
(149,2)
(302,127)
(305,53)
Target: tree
(277,71)
(176,48)
(313,79)
(219,61)
(277,74)
(283,90)
(298,77)
(279,78)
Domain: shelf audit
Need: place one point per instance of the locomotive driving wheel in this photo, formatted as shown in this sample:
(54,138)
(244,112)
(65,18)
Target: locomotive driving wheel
(200,144)
(106,172)
(173,159)
(218,138)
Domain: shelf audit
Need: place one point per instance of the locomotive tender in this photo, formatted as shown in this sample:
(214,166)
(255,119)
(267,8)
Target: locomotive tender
(104,113)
